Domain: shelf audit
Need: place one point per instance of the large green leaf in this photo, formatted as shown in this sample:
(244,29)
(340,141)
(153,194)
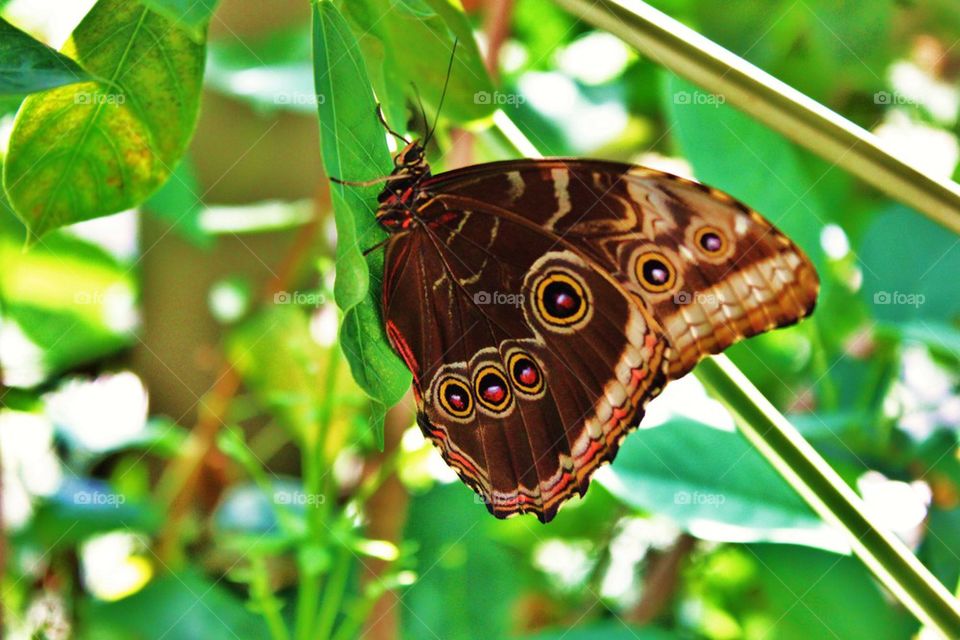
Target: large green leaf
(192,15)
(459,563)
(730,151)
(402,66)
(354,148)
(28,65)
(703,477)
(812,594)
(94,148)
(913,280)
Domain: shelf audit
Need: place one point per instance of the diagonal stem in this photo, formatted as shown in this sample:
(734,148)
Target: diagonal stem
(806,471)
(772,102)
(832,499)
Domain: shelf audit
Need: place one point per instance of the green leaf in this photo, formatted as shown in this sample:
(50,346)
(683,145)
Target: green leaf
(732,152)
(425,65)
(418,8)
(702,477)
(458,560)
(813,594)
(191,15)
(72,301)
(184,605)
(28,65)
(910,281)
(95,148)
(354,147)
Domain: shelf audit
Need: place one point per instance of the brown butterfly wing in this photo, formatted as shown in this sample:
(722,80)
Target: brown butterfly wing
(530,362)
(720,271)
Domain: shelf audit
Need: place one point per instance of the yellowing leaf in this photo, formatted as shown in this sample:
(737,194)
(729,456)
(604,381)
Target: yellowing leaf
(94,148)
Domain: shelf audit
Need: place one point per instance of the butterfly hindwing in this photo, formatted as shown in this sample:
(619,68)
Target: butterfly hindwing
(530,362)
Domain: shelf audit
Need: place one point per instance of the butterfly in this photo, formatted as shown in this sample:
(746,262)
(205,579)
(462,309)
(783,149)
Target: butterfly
(540,304)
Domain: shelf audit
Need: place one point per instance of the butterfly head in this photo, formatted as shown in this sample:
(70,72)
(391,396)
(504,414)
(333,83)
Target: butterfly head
(398,199)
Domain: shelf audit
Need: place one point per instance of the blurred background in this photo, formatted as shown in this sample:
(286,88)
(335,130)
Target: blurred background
(171,379)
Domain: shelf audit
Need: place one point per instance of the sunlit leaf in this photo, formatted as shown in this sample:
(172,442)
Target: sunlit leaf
(701,476)
(192,15)
(70,301)
(94,148)
(354,148)
(425,65)
(812,594)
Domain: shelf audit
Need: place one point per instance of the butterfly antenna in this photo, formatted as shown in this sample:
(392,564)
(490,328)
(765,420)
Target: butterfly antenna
(423,112)
(386,126)
(443,94)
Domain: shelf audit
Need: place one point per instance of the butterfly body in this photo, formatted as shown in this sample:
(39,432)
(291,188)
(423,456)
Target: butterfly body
(540,304)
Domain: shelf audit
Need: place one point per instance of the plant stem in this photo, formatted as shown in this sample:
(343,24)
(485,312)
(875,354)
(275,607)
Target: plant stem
(826,492)
(262,595)
(772,102)
(316,481)
(333,594)
(816,482)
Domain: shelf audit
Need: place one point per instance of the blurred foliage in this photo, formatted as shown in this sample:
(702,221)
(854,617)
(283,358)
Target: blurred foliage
(688,535)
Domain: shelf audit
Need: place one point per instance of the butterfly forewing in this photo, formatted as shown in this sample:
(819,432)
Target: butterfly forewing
(709,269)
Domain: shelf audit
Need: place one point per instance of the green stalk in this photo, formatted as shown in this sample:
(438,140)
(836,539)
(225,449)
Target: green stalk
(262,595)
(826,492)
(333,594)
(316,481)
(807,472)
(772,102)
